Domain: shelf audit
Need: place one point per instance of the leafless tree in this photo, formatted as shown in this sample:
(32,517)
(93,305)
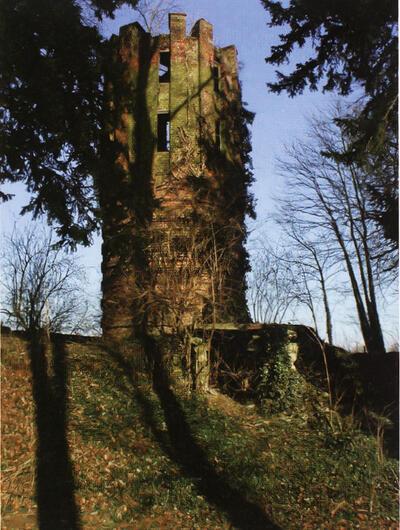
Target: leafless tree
(286,278)
(43,286)
(272,284)
(190,278)
(314,269)
(188,289)
(154,13)
(327,201)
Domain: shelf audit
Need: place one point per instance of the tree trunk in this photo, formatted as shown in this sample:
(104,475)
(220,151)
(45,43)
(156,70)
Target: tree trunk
(328,316)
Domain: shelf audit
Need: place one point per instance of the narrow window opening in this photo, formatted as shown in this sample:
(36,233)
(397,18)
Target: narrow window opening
(164,67)
(215,75)
(163,129)
(218,135)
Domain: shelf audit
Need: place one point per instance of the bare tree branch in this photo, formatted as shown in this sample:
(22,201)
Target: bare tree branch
(327,209)
(44,286)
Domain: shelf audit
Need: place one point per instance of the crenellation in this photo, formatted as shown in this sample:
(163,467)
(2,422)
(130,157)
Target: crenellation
(177,26)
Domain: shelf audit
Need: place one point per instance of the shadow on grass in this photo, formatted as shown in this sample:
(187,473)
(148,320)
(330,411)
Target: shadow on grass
(180,445)
(56,506)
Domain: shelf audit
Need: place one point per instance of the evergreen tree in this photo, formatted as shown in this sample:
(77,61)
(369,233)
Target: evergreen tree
(51,103)
(354,45)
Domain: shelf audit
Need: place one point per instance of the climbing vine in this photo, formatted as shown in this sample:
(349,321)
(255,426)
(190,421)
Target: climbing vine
(280,386)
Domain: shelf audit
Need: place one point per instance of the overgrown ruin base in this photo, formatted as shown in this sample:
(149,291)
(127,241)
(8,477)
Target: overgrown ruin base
(227,355)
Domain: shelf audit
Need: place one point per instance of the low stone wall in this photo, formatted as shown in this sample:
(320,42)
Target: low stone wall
(233,357)
(237,352)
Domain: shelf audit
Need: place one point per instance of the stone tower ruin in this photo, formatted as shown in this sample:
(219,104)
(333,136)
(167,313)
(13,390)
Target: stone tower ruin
(175,182)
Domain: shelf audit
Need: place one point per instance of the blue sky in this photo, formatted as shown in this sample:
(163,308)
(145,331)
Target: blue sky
(278,121)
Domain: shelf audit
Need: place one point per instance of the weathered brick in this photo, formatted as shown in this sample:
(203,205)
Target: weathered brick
(169,214)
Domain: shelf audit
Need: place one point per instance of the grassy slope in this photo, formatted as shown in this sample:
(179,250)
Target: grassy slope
(145,461)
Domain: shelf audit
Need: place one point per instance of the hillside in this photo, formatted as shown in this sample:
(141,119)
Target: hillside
(141,458)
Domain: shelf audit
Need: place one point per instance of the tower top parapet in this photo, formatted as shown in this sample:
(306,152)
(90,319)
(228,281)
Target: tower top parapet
(176,25)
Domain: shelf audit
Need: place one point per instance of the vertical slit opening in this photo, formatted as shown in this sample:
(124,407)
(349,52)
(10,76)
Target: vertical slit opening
(164,67)
(218,134)
(215,76)
(163,132)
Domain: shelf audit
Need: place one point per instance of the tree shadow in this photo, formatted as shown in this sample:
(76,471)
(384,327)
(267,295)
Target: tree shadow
(55,485)
(179,444)
(125,188)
